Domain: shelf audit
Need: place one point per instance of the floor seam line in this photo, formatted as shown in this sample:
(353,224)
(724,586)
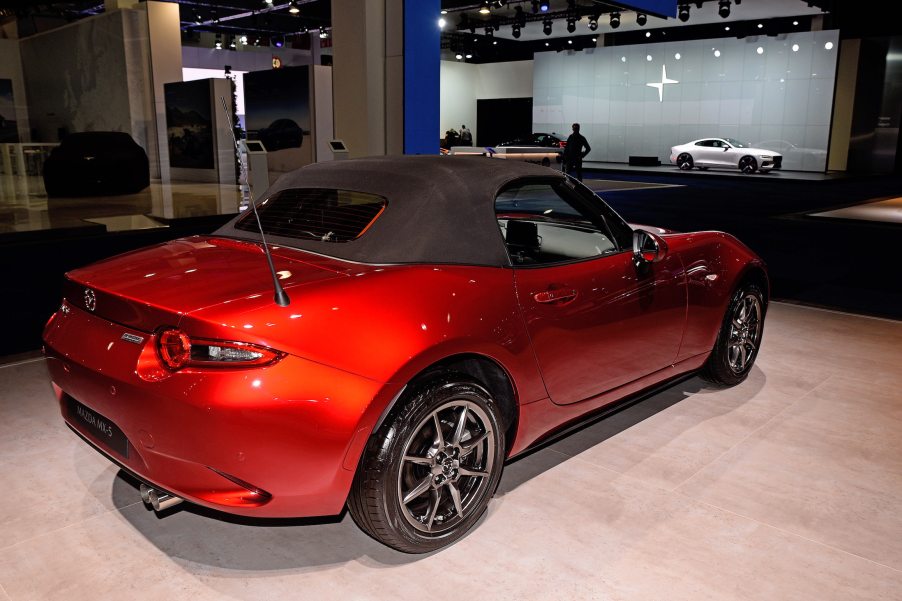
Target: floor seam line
(18,363)
(789,532)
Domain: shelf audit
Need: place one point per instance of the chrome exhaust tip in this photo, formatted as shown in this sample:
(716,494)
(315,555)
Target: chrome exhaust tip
(159,500)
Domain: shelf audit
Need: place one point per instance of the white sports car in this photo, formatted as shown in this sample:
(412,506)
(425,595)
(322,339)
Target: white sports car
(724,153)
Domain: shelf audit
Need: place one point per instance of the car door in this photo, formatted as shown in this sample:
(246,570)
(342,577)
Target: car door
(729,156)
(703,153)
(595,320)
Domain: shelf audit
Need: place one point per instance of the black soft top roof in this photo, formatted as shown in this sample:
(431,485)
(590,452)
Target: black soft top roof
(440,209)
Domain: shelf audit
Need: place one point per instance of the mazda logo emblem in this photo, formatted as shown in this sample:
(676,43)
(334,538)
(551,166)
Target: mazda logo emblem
(90,299)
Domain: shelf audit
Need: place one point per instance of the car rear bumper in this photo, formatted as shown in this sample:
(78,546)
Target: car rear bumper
(280,441)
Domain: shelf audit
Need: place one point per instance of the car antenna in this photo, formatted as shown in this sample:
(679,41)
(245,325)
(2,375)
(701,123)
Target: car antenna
(281,297)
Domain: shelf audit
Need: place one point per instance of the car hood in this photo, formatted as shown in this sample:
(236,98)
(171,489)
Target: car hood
(156,285)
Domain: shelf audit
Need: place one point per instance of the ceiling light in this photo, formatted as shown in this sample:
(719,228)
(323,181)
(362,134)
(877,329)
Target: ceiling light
(218,43)
(444,12)
(723,8)
(546,26)
(243,40)
(648,34)
(547,44)
(485,10)
(593,22)
(569,41)
(717,54)
(759,50)
(469,55)
(459,56)
(543,6)
(622,59)
(641,19)
(441,23)
(293,7)
(796,23)
(267,2)
(232,43)
(615,20)
(515,31)
(828,46)
(571,25)
(594,40)
(323,34)
(727,28)
(795,47)
(683,13)
(648,57)
(760,25)
(677,56)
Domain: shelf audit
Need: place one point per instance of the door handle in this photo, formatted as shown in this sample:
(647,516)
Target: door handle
(557,296)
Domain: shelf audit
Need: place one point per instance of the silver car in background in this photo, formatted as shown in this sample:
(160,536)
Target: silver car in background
(724,153)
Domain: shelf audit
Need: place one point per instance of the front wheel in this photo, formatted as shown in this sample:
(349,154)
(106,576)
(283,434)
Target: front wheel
(684,161)
(428,473)
(748,164)
(739,338)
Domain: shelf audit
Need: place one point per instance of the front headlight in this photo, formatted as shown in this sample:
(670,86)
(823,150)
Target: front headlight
(766,157)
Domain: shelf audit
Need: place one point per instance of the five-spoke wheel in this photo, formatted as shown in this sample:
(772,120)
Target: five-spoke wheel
(684,161)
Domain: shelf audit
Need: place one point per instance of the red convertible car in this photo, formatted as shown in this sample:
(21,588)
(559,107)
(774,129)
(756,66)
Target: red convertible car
(443,316)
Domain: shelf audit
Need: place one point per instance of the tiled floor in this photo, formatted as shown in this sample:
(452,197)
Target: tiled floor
(785,487)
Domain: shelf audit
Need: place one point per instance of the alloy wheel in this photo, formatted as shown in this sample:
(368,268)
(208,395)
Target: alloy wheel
(748,164)
(745,333)
(446,467)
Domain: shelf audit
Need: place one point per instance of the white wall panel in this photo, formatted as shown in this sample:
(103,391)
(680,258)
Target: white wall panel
(782,93)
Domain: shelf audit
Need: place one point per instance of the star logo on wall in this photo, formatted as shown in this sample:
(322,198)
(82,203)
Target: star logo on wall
(659,85)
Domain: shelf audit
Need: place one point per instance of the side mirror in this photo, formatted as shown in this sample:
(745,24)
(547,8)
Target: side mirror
(726,148)
(648,247)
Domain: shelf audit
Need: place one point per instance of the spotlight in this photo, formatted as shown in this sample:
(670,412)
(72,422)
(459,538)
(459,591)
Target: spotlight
(197,19)
(293,7)
(683,13)
(267,2)
(485,10)
(278,42)
(571,25)
(546,26)
(543,6)
(641,19)
(323,34)
(615,20)
(723,8)
(218,44)
(243,40)
(593,22)
(515,31)
(469,55)
(442,23)
(459,56)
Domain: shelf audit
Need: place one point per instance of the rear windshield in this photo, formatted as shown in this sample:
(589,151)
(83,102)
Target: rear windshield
(316,214)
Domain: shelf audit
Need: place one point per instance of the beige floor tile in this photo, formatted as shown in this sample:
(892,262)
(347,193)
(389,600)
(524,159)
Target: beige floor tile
(574,531)
(30,415)
(829,469)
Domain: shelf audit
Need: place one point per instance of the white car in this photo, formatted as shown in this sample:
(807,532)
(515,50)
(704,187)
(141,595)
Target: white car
(724,153)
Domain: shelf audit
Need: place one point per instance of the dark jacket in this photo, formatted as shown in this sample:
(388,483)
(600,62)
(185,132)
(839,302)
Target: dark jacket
(577,148)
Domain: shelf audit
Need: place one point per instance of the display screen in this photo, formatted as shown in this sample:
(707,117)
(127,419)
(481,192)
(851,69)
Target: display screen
(337,145)
(254,146)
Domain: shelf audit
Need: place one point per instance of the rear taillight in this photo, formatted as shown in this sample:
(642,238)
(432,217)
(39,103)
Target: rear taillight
(177,350)
(562,144)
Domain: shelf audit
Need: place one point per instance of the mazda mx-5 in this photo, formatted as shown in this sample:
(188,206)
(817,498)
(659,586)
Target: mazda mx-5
(422,321)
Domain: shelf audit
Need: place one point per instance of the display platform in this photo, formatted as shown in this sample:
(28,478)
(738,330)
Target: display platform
(668,169)
(792,476)
(887,210)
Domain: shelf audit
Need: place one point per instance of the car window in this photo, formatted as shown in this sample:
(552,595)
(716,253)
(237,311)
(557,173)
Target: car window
(736,143)
(322,214)
(707,143)
(554,222)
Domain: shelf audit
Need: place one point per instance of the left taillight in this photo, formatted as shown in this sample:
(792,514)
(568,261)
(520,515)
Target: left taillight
(177,350)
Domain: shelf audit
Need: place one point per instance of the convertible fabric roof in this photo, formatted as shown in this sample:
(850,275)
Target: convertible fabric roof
(440,209)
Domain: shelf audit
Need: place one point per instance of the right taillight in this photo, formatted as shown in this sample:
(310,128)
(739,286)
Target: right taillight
(177,350)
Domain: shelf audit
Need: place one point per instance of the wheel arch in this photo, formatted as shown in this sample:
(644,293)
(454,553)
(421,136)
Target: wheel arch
(754,273)
(486,371)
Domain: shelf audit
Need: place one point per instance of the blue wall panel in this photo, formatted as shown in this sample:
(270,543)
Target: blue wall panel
(422,47)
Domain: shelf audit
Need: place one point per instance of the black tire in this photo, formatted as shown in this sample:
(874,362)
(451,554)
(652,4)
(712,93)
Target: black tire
(748,164)
(405,455)
(546,162)
(684,162)
(739,338)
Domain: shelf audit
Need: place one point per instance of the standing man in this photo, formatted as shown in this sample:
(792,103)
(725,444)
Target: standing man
(576,150)
(466,136)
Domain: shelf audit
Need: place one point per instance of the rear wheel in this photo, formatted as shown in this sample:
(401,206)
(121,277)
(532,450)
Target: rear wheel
(748,164)
(428,473)
(684,161)
(546,162)
(737,343)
